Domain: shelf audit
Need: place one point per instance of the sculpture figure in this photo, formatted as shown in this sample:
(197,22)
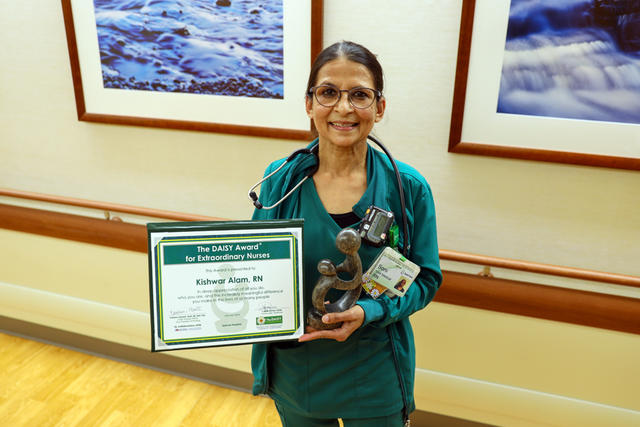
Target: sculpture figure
(348,242)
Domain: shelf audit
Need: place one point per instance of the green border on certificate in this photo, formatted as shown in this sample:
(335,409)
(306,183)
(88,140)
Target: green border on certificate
(224,283)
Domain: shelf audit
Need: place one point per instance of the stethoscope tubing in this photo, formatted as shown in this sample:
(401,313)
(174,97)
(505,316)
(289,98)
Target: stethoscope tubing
(405,225)
(314,151)
(254,198)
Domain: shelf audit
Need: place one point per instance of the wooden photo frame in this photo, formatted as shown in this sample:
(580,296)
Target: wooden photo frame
(204,51)
(477,127)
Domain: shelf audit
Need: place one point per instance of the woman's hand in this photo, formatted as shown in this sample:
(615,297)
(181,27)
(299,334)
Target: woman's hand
(351,320)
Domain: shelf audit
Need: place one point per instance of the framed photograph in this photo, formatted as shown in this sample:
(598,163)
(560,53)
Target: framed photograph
(549,81)
(224,283)
(230,66)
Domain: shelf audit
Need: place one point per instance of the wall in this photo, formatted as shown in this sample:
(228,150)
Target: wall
(557,214)
(550,213)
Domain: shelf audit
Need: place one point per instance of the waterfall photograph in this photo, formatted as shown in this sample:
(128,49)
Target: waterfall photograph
(572,59)
(209,47)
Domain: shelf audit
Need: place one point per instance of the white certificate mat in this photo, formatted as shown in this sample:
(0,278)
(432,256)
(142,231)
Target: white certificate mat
(225,283)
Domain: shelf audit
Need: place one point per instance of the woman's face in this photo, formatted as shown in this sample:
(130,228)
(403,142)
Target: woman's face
(343,125)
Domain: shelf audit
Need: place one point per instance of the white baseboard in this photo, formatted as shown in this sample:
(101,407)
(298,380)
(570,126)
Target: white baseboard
(505,405)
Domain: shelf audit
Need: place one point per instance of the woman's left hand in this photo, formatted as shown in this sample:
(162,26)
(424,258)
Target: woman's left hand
(351,320)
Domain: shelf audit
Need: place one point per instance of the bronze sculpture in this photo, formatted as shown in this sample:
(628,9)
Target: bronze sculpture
(348,242)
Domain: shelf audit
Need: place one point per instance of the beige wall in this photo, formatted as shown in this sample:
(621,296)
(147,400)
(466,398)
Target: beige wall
(557,214)
(568,215)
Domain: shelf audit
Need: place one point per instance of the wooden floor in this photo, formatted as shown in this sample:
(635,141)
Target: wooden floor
(46,385)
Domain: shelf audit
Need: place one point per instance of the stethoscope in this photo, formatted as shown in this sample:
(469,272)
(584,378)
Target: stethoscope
(254,197)
(314,151)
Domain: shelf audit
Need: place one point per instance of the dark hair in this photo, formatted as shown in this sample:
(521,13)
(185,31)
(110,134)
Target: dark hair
(353,52)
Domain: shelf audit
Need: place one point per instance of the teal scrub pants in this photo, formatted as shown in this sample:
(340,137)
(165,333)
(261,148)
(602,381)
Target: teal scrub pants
(293,419)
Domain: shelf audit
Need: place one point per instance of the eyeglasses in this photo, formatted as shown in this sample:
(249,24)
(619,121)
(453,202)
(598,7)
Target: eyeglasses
(359,97)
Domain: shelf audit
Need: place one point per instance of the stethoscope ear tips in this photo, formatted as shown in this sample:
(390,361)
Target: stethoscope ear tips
(254,197)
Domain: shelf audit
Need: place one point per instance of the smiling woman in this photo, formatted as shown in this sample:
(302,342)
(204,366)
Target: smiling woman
(328,373)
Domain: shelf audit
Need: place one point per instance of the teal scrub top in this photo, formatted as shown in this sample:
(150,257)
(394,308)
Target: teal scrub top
(372,372)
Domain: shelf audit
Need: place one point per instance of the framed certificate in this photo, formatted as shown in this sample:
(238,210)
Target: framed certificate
(224,283)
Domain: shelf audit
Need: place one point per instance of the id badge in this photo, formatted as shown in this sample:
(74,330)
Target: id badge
(391,272)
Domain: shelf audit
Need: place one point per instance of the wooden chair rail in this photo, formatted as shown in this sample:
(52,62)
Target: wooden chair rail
(104,206)
(527,299)
(531,267)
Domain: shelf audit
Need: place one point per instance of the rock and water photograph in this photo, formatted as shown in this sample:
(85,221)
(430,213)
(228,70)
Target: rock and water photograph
(572,59)
(207,47)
